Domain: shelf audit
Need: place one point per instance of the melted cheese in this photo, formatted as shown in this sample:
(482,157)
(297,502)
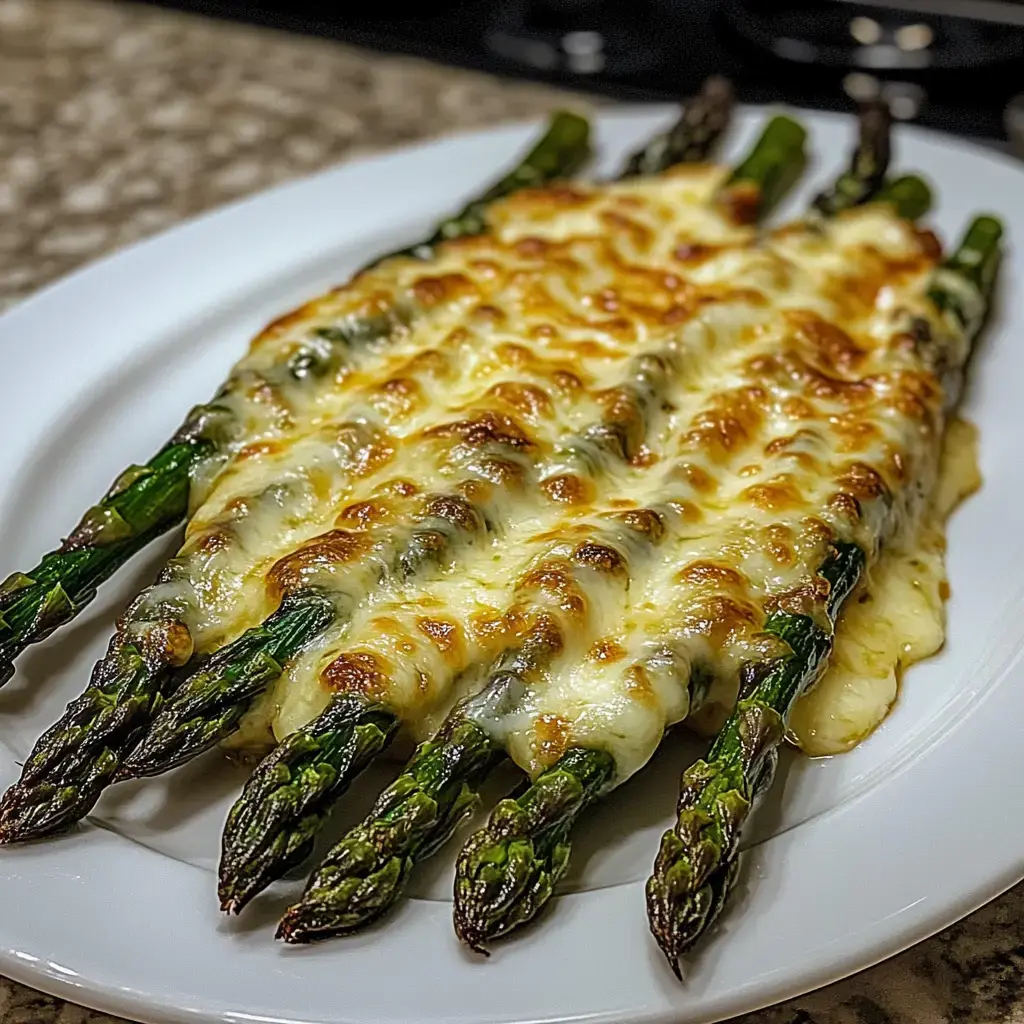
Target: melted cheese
(896,619)
(530,329)
(629,429)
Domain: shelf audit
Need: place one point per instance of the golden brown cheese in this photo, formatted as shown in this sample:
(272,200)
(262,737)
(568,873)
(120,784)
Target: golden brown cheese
(605,370)
(504,344)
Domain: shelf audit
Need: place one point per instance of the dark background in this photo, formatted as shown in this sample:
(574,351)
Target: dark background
(954,65)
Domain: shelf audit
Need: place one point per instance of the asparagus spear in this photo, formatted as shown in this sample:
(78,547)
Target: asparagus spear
(232,895)
(146,501)
(773,166)
(868,164)
(908,195)
(275,829)
(507,871)
(72,762)
(552,158)
(691,139)
(697,859)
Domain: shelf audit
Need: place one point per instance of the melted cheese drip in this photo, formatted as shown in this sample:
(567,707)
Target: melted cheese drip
(896,619)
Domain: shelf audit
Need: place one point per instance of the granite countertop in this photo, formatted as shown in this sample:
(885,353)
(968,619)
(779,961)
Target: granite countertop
(118,120)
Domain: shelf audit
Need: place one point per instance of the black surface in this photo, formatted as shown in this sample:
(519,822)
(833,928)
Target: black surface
(662,49)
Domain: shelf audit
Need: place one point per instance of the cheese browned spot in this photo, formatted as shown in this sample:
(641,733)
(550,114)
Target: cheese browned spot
(837,352)
(364,513)
(486,428)
(568,489)
(607,649)
(554,580)
(323,554)
(358,672)
(444,634)
(454,509)
(526,399)
(644,521)
(601,557)
(551,738)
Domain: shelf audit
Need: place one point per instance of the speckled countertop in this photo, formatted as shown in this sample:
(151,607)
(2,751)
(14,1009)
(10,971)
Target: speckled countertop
(116,121)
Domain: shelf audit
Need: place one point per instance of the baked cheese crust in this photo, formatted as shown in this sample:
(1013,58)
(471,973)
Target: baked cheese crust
(600,444)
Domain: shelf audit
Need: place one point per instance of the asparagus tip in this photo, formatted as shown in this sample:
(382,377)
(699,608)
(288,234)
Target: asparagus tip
(472,933)
(662,920)
(672,956)
(230,903)
(237,893)
(298,927)
(20,819)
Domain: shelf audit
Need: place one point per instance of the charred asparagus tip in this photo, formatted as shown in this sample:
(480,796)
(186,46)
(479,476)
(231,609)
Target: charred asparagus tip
(303,925)
(23,818)
(664,924)
(471,932)
(234,898)
(292,929)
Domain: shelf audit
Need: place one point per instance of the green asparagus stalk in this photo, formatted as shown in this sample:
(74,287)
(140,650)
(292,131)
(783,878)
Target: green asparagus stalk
(508,870)
(146,501)
(868,164)
(774,165)
(963,284)
(82,753)
(289,790)
(614,438)
(691,139)
(697,859)
(717,792)
(908,195)
(556,156)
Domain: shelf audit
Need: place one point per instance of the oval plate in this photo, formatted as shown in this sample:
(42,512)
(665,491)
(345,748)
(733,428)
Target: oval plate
(857,858)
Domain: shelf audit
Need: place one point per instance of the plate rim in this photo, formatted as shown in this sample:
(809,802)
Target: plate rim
(915,924)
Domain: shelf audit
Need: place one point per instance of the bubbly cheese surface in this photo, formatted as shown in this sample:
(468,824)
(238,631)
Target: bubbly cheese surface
(897,618)
(587,457)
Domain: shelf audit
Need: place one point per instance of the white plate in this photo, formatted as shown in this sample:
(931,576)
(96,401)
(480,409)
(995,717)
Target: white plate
(855,859)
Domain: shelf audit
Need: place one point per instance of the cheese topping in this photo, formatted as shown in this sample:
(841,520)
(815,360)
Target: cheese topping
(589,455)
